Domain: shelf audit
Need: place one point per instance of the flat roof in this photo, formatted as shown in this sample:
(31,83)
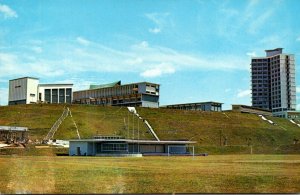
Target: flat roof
(12,128)
(25,78)
(134,141)
(276,49)
(251,107)
(118,86)
(57,84)
(196,103)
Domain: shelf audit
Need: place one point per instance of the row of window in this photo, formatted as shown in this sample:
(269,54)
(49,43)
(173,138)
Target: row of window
(113,147)
(105,92)
(57,95)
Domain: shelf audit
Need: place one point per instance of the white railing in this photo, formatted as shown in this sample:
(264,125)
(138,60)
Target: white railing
(133,110)
(56,125)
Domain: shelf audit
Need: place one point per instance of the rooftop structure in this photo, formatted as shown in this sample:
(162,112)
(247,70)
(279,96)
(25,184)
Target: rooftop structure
(273,82)
(202,106)
(143,94)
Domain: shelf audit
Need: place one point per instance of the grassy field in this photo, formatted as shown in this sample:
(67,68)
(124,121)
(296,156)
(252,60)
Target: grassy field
(211,174)
(209,129)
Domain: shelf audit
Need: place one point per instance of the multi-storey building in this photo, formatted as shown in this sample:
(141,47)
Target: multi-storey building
(142,94)
(273,82)
(27,90)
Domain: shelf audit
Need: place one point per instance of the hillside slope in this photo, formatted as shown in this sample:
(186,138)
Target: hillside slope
(209,129)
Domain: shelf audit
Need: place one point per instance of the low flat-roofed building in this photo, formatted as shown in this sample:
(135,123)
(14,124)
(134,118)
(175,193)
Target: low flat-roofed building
(249,109)
(13,134)
(142,94)
(118,146)
(202,106)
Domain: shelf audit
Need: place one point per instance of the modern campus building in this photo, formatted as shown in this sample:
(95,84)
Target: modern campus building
(273,82)
(27,90)
(202,106)
(142,94)
(118,146)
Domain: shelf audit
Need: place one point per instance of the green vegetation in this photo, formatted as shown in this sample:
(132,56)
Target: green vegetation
(211,130)
(211,174)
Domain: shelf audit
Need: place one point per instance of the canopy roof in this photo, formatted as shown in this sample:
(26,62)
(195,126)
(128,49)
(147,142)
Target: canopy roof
(114,84)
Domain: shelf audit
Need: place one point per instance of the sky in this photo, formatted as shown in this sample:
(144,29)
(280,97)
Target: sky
(198,50)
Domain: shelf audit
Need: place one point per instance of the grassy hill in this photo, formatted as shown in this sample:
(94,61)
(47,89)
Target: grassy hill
(209,129)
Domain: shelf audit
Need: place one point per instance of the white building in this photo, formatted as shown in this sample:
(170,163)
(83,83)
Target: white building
(27,90)
(55,93)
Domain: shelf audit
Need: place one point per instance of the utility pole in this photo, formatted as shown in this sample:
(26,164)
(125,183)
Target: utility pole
(128,125)
(132,125)
(220,137)
(138,135)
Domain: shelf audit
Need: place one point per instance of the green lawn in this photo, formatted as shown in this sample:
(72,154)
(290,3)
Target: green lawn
(211,174)
(208,129)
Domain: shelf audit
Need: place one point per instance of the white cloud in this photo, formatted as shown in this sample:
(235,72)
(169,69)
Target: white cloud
(155,30)
(244,93)
(158,70)
(251,54)
(140,58)
(134,61)
(83,41)
(7,11)
(161,20)
(250,19)
(12,64)
(79,83)
(157,18)
(143,44)
(37,49)
(298,89)
(260,21)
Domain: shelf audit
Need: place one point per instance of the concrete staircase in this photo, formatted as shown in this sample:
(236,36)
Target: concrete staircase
(54,128)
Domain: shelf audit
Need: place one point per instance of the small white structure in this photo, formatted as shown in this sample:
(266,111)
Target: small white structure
(27,90)
(23,90)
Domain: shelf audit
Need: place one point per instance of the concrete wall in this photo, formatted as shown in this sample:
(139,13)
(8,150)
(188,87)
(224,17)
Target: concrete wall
(83,148)
(147,104)
(24,89)
(32,94)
